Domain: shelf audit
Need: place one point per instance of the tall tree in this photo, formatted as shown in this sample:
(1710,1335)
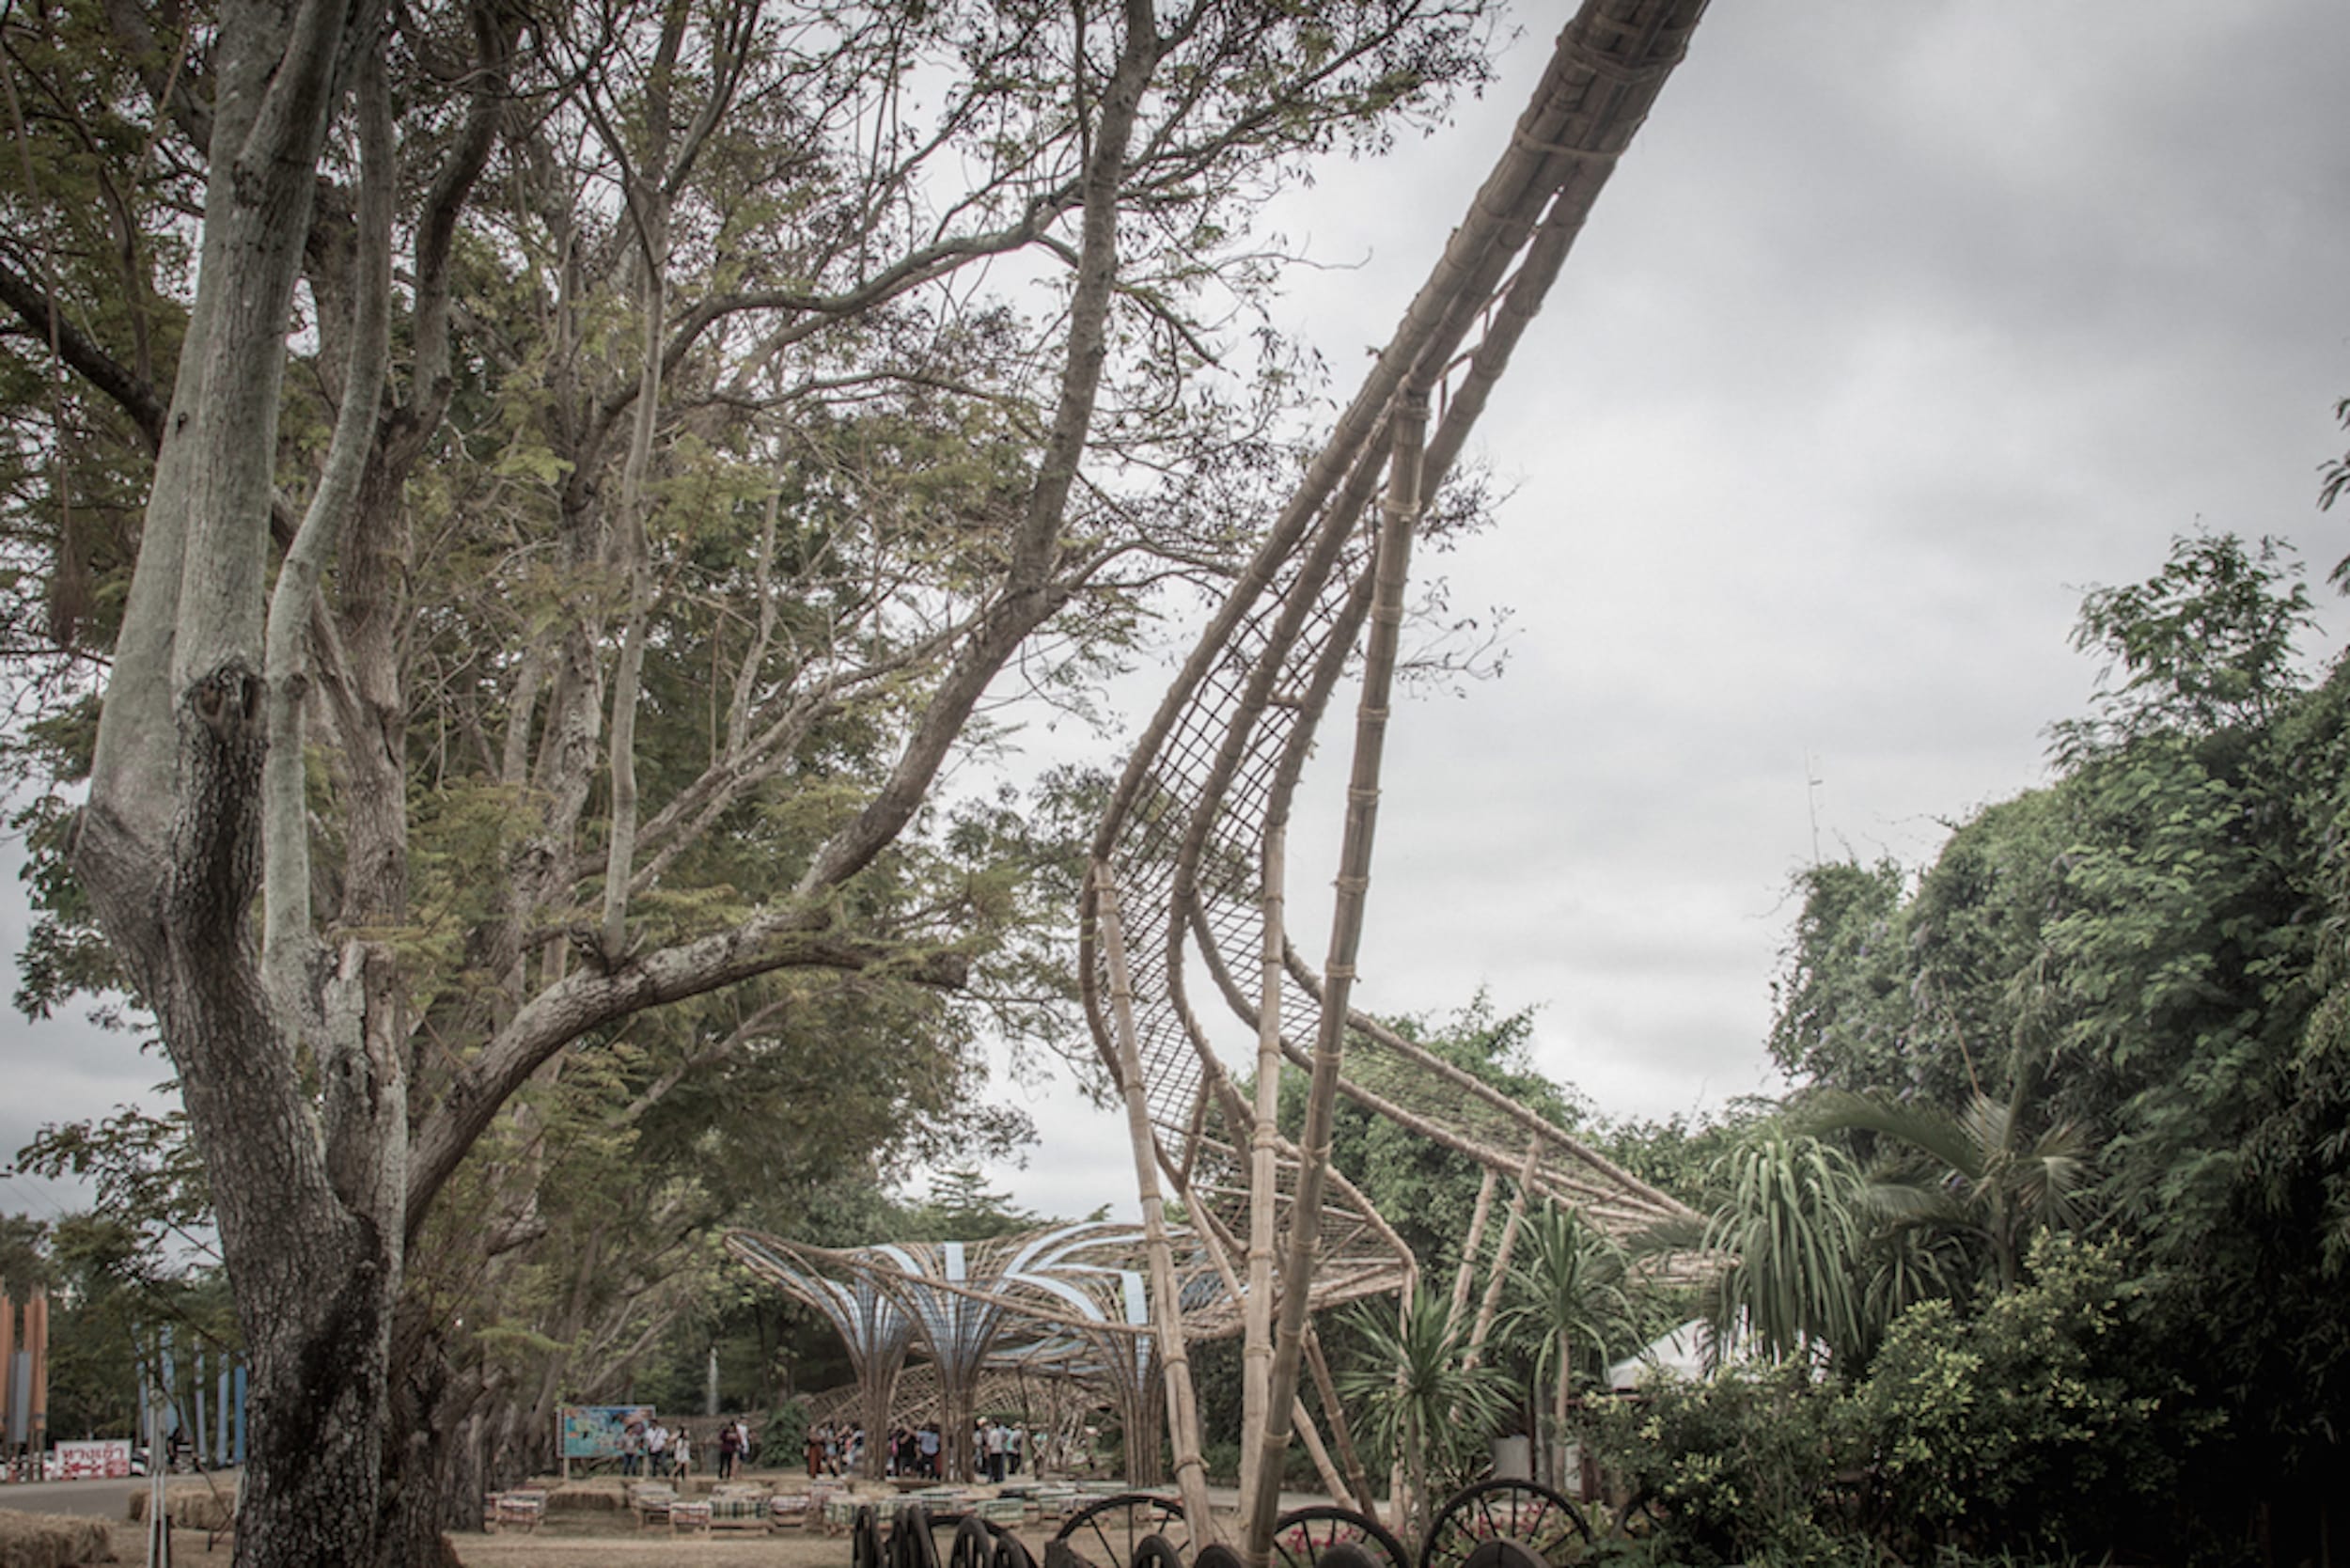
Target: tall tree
(2145,952)
(683,417)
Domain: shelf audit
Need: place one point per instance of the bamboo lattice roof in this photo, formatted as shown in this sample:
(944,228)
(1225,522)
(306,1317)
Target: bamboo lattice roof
(1185,834)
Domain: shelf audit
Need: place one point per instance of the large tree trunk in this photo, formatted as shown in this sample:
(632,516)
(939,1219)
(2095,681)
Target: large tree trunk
(170,845)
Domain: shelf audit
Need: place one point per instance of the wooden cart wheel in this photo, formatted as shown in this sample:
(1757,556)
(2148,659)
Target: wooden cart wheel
(1526,1511)
(1504,1551)
(909,1542)
(975,1545)
(1310,1537)
(1010,1551)
(865,1539)
(1156,1551)
(1106,1534)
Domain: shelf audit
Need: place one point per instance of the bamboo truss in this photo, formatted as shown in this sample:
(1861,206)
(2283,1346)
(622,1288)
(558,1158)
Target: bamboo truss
(1189,861)
(1065,1305)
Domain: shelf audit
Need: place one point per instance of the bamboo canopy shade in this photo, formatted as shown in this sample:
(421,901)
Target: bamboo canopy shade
(1190,853)
(874,1329)
(1070,1301)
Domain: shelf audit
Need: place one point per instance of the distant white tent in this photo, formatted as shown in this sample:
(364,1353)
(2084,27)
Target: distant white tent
(1682,1356)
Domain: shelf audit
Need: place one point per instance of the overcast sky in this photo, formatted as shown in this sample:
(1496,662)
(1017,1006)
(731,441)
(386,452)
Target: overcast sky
(1902,322)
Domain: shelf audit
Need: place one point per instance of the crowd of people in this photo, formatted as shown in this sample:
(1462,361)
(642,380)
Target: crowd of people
(998,1450)
(651,1449)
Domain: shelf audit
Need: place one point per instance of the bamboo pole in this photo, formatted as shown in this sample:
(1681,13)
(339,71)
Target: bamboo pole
(1491,1304)
(1183,1409)
(1357,1478)
(1468,1250)
(1263,1163)
(1401,513)
(1332,1482)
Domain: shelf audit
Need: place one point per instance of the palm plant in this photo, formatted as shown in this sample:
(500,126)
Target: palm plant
(1791,1236)
(1976,1173)
(1568,1291)
(1420,1399)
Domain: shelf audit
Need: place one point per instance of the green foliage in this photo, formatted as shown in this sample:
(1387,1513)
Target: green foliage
(2038,1423)
(1743,1465)
(960,1208)
(784,1432)
(2204,646)
(1568,1297)
(2041,1421)
(1841,1006)
(1426,1191)
(1978,1174)
(1792,1231)
(2130,984)
(1416,1399)
(112,1289)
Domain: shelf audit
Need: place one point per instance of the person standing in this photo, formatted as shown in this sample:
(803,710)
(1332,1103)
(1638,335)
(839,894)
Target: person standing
(656,1448)
(995,1437)
(682,1455)
(729,1448)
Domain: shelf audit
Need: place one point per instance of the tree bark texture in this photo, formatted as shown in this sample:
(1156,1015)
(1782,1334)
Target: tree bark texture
(171,847)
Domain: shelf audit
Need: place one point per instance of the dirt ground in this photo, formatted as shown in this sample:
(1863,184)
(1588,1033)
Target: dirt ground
(591,1539)
(569,1545)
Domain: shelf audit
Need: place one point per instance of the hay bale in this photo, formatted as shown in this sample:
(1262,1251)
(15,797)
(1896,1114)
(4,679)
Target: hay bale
(51,1541)
(588,1499)
(191,1505)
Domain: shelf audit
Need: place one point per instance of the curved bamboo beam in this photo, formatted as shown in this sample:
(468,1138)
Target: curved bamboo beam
(1193,841)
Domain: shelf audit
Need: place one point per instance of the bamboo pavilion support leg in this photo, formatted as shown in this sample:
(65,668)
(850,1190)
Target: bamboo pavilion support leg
(1460,1278)
(1263,1157)
(1357,1478)
(1332,1482)
(1399,516)
(1491,1305)
(1183,1409)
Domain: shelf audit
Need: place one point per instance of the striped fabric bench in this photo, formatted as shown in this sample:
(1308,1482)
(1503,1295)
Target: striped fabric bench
(523,1510)
(738,1510)
(684,1515)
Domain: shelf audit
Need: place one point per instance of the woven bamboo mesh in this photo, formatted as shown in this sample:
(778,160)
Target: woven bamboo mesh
(1212,781)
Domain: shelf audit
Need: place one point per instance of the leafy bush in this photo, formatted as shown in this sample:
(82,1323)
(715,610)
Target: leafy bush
(1742,1466)
(2030,1423)
(2037,1424)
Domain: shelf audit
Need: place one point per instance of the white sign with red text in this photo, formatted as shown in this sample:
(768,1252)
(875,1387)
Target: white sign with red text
(108,1458)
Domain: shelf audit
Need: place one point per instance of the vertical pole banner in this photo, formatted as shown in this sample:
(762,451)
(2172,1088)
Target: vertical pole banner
(7,1377)
(196,1386)
(169,1390)
(36,1374)
(158,1506)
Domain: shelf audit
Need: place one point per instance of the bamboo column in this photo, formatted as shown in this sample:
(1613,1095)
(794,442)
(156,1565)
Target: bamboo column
(1183,1409)
(1468,1249)
(1357,1478)
(1491,1304)
(1401,515)
(1263,1163)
